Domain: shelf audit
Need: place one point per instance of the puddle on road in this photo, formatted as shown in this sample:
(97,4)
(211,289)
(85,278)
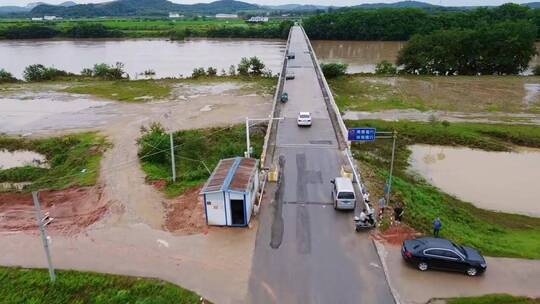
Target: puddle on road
(209,89)
(533,93)
(21,158)
(501,181)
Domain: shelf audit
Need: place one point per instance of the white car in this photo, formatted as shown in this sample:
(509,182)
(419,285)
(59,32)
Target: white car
(289,76)
(304,119)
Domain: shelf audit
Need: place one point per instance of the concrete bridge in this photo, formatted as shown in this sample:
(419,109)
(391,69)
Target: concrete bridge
(307,252)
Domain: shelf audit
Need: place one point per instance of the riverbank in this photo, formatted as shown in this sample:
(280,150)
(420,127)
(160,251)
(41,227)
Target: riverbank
(494,233)
(20,285)
(470,94)
(142,28)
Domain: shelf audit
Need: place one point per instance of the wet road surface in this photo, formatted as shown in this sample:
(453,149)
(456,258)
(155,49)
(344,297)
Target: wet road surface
(306,252)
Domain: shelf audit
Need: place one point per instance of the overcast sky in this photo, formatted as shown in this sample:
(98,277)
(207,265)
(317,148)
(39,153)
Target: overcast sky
(274,2)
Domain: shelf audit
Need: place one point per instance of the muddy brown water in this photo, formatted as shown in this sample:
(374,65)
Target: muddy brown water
(21,158)
(363,56)
(501,181)
(166,58)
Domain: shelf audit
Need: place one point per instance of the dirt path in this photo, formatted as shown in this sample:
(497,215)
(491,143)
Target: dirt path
(132,238)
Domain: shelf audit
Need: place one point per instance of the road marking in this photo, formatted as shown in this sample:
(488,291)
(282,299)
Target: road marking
(307,203)
(308,146)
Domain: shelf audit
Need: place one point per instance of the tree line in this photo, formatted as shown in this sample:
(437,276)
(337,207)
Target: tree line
(97,30)
(402,24)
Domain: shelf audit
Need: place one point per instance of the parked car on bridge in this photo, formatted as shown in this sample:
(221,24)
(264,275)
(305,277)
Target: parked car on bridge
(284,97)
(437,253)
(290,55)
(343,195)
(304,119)
(289,76)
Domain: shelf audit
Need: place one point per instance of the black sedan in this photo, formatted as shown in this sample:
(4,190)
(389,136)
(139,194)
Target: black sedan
(435,253)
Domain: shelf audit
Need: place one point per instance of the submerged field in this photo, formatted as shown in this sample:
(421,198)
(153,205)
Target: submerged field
(494,233)
(456,93)
(73,160)
(19,285)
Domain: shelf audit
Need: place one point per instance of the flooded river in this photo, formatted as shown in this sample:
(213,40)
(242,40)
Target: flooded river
(166,58)
(175,58)
(499,181)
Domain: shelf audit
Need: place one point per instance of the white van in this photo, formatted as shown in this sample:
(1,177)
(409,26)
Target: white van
(343,195)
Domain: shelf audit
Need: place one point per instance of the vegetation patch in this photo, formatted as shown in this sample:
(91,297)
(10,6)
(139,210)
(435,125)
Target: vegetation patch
(124,90)
(196,152)
(494,233)
(484,93)
(494,299)
(33,286)
(74,161)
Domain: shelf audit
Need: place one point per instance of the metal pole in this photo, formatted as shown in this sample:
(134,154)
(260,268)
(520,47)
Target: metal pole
(44,239)
(173,165)
(248,144)
(391,165)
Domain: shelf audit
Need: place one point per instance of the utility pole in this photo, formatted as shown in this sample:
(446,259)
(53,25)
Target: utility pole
(248,144)
(43,221)
(173,165)
(389,184)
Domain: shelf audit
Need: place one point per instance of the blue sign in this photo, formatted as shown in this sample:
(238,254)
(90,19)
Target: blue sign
(362,134)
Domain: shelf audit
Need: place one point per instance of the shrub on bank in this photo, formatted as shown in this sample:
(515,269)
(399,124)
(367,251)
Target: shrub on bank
(385,68)
(105,71)
(39,72)
(6,76)
(333,70)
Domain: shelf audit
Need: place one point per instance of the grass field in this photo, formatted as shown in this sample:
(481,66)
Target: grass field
(123,90)
(494,299)
(22,286)
(459,93)
(494,233)
(197,152)
(74,161)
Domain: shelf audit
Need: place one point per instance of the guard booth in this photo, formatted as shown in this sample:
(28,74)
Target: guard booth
(230,192)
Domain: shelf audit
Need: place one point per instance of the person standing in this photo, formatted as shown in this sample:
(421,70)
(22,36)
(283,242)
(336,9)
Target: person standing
(437,225)
(398,213)
(365,196)
(382,205)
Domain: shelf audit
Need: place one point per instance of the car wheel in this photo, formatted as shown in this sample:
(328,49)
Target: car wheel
(472,272)
(423,266)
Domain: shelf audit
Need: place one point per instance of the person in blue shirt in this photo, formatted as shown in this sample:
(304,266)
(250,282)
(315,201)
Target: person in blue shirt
(437,225)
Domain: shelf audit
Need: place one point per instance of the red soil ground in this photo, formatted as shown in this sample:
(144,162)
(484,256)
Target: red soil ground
(395,235)
(185,214)
(72,209)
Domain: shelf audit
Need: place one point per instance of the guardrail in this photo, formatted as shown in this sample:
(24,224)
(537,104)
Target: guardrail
(272,125)
(335,115)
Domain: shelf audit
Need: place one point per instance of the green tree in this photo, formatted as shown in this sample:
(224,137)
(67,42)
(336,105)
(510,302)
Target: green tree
(333,70)
(243,67)
(211,71)
(256,66)
(198,72)
(108,72)
(6,76)
(385,68)
(38,72)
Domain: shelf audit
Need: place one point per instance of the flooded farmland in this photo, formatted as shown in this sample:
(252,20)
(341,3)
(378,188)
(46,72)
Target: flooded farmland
(166,58)
(500,181)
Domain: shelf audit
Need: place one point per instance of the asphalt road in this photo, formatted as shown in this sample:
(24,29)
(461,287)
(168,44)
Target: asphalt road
(306,252)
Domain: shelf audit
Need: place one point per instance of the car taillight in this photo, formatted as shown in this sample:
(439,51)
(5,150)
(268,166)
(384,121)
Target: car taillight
(408,254)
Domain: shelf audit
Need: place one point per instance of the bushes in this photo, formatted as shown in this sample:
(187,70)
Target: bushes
(38,72)
(385,68)
(91,30)
(247,67)
(536,70)
(501,49)
(333,70)
(6,76)
(105,71)
(31,31)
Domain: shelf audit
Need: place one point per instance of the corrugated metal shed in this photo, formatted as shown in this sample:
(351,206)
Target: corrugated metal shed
(231,174)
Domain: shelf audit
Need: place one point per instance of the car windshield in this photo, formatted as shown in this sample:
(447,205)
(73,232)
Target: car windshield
(304,116)
(346,195)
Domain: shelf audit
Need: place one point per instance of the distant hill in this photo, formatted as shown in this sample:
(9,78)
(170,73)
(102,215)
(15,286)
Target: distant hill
(141,7)
(532,4)
(401,4)
(67,4)
(296,7)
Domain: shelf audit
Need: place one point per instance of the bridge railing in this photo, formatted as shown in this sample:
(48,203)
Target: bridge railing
(269,145)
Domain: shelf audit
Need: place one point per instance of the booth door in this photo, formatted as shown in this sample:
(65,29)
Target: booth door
(237,212)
